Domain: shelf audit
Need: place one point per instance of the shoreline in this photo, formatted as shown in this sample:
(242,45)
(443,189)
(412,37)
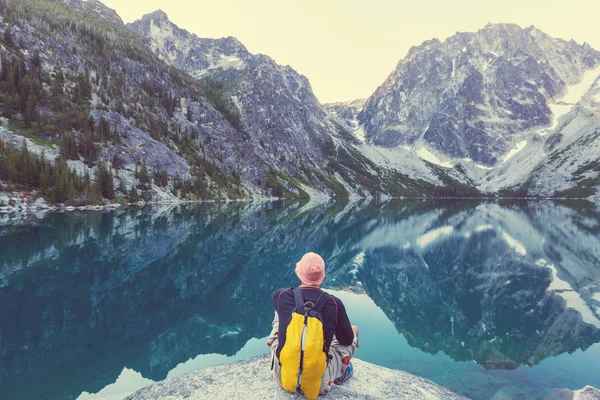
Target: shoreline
(37,206)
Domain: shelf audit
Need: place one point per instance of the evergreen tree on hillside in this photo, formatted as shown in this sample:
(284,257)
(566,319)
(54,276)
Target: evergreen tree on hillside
(104,182)
(144,176)
(8,37)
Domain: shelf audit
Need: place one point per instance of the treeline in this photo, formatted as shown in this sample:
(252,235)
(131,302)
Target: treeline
(56,181)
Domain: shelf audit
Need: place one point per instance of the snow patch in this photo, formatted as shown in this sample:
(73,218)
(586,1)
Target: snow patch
(482,228)
(576,92)
(514,243)
(357,262)
(427,155)
(431,236)
(572,298)
(520,146)
(314,193)
(482,166)
(572,96)
(230,62)
(359,133)
(401,159)
(557,283)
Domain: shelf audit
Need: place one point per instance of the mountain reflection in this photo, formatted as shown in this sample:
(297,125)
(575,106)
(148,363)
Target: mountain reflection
(83,295)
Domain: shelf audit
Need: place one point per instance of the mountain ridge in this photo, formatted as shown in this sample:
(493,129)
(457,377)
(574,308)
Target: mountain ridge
(237,124)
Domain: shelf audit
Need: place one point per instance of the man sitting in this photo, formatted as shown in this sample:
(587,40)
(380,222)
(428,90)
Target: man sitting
(340,338)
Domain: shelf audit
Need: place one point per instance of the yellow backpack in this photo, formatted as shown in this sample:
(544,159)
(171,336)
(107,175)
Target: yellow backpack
(303,358)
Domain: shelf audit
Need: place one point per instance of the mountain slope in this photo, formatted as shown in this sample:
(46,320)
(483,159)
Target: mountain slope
(475,95)
(287,128)
(172,115)
(561,160)
(96,93)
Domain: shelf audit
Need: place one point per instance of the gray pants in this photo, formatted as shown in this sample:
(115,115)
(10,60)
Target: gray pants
(340,358)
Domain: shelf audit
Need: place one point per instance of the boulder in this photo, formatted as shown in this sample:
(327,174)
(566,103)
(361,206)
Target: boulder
(41,203)
(251,379)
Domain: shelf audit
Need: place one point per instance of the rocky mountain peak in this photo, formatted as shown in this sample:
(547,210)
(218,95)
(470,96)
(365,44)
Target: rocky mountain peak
(158,16)
(94,8)
(185,49)
(472,95)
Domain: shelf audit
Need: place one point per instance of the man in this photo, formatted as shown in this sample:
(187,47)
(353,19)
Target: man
(341,338)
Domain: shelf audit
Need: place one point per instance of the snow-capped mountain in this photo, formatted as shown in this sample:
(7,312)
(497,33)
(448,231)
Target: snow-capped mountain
(495,111)
(282,122)
(476,96)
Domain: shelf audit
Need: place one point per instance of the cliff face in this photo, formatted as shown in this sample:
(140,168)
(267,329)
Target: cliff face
(251,379)
(472,95)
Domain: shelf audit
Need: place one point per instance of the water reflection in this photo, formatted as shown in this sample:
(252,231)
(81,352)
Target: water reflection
(84,295)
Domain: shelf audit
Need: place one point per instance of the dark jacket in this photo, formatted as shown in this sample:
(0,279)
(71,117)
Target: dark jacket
(335,319)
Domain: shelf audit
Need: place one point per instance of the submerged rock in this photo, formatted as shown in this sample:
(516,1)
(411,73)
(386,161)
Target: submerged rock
(251,379)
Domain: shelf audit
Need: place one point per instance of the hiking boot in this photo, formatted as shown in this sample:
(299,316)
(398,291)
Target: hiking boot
(345,376)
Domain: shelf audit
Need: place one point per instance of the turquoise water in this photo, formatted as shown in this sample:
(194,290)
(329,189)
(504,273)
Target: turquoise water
(483,297)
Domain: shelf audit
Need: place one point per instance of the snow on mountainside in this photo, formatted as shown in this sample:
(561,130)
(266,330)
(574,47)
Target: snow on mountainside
(562,159)
(469,111)
(286,127)
(347,112)
(503,110)
(475,96)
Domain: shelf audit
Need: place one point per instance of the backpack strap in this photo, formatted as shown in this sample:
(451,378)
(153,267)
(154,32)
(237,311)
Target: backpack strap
(322,301)
(298,297)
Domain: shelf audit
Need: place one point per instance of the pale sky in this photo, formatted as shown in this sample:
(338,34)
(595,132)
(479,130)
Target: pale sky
(348,47)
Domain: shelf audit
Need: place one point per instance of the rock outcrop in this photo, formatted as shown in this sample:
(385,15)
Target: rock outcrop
(251,379)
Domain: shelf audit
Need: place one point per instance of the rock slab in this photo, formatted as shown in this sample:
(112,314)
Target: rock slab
(251,379)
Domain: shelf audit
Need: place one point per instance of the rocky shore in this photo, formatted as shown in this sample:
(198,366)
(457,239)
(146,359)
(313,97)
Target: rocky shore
(251,379)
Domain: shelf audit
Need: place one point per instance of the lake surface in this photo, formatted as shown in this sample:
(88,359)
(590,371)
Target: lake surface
(482,297)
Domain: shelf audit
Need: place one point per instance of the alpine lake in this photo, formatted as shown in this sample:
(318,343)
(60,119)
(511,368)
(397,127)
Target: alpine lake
(489,298)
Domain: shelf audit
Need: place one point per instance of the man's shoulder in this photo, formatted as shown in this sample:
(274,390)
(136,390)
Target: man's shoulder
(334,299)
(278,292)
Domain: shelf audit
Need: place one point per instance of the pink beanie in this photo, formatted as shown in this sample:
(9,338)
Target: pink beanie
(311,269)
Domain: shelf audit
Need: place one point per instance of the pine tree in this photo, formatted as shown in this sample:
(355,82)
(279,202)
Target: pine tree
(8,37)
(4,67)
(57,91)
(31,114)
(144,176)
(104,182)
(122,186)
(36,60)
(133,195)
